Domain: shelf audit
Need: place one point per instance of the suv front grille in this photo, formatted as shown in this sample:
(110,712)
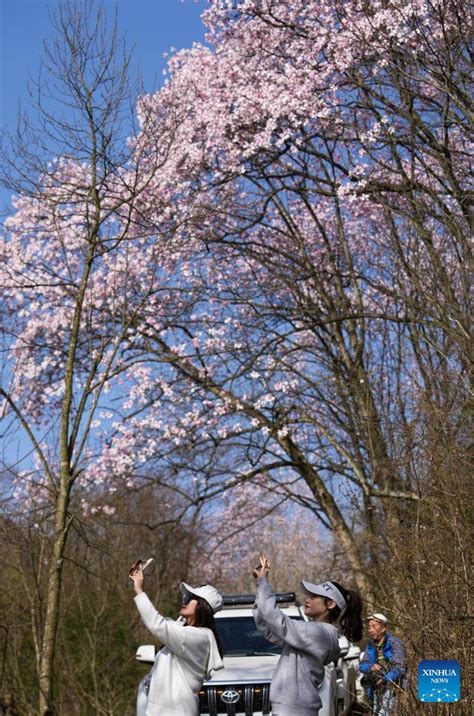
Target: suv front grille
(253,698)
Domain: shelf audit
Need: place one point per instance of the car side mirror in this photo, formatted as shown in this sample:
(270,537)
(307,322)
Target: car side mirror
(146,653)
(352,653)
(344,646)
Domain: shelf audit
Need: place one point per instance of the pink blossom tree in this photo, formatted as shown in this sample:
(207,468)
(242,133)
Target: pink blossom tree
(75,270)
(251,517)
(322,162)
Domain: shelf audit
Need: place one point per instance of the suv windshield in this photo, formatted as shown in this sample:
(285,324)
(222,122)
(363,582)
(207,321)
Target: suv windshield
(240,637)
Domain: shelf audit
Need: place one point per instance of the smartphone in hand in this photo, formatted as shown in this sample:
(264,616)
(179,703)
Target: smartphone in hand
(140,564)
(144,564)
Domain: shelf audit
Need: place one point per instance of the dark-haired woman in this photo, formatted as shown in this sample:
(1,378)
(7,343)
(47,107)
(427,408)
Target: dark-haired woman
(307,646)
(192,648)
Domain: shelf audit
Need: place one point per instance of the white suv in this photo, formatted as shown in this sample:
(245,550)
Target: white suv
(242,688)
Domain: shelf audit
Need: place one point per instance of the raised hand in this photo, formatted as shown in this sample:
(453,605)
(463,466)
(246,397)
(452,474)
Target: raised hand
(137,576)
(263,568)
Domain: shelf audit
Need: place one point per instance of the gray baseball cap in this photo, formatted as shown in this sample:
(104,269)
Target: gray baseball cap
(325,589)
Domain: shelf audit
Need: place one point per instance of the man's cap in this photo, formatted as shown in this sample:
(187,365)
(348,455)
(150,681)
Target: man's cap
(325,589)
(206,592)
(379,617)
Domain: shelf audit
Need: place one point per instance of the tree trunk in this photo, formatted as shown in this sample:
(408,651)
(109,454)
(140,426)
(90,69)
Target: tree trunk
(52,604)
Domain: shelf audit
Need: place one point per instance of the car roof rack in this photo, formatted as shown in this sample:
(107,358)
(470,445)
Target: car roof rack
(250,598)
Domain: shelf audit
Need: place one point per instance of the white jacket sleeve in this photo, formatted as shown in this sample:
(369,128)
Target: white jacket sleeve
(168,631)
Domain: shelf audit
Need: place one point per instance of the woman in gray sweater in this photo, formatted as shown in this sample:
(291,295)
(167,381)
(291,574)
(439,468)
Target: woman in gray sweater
(307,646)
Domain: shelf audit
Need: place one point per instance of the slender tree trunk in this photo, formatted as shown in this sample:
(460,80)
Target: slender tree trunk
(52,604)
(62,503)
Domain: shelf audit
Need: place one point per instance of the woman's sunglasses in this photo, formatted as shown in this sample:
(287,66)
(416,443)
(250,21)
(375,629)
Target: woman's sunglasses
(186,599)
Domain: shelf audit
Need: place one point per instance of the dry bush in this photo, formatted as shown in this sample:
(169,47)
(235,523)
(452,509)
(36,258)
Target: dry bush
(422,584)
(99,627)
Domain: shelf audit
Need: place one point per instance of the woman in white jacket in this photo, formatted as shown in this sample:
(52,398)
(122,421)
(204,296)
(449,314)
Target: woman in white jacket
(191,650)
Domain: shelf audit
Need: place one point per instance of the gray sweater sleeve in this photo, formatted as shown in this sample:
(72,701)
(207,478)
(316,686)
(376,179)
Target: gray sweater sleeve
(263,628)
(314,638)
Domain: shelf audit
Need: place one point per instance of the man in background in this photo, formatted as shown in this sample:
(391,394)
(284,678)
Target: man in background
(382,666)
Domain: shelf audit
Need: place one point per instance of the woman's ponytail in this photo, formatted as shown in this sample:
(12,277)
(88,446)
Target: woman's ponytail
(351,619)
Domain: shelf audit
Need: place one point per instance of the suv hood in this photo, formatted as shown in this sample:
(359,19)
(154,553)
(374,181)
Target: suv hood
(245,669)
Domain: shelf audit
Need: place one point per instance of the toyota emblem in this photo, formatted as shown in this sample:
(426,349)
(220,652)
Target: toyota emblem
(230,696)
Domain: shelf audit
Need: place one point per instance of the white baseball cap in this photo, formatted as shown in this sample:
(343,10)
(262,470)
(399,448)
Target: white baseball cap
(206,592)
(379,617)
(325,589)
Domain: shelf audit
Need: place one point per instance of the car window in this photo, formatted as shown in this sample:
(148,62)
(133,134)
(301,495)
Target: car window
(240,637)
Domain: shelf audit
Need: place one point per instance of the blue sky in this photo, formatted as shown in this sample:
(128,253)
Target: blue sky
(152,27)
